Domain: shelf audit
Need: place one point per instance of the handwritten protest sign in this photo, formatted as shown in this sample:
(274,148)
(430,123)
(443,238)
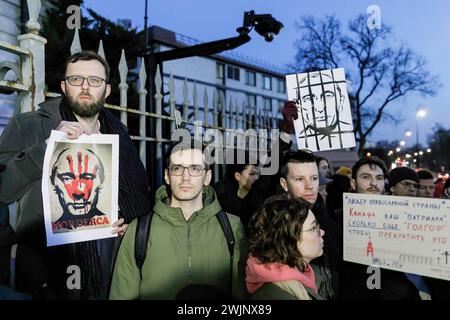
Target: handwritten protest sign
(80,187)
(324,117)
(398,233)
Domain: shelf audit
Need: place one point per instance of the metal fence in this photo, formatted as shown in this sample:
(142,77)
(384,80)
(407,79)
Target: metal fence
(216,113)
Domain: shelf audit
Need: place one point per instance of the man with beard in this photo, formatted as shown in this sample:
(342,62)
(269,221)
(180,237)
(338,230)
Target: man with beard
(22,148)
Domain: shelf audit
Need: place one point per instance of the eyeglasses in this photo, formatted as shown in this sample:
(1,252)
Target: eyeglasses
(79,80)
(194,170)
(315,228)
(408,184)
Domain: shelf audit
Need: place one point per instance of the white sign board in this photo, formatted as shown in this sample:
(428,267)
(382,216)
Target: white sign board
(80,187)
(398,233)
(324,117)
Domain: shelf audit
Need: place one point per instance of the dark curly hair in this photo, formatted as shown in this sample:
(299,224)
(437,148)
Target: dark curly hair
(275,229)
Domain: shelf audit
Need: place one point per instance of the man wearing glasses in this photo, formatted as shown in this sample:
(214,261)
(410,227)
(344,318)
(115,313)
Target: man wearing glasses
(22,148)
(186,245)
(403,181)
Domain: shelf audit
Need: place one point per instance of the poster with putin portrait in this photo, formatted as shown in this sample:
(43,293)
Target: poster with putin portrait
(324,118)
(80,187)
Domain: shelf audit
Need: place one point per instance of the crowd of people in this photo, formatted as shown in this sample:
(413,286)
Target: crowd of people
(250,236)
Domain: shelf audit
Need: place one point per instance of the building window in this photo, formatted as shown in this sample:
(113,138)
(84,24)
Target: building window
(281,86)
(251,101)
(267,83)
(220,70)
(280,105)
(250,78)
(233,73)
(268,104)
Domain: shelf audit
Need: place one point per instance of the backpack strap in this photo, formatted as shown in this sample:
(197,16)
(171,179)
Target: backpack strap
(229,235)
(141,239)
(227,231)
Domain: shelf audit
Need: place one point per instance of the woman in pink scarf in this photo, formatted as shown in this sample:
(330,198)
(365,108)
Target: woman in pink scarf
(284,237)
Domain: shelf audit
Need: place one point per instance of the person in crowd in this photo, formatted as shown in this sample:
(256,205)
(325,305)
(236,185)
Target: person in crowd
(368,177)
(439,289)
(22,148)
(404,181)
(232,191)
(323,183)
(284,238)
(446,190)
(325,167)
(186,244)
(299,177)
(426,184)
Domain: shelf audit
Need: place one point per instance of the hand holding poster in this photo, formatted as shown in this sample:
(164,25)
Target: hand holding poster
(80,187)
(324,117)
(399,233)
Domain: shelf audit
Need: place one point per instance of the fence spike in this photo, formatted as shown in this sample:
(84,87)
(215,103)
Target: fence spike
(123,86)
(101,51)
(123,67)
(142,75)
(195,101)
(205,106)
(158,79)
(76,46)
(185,100)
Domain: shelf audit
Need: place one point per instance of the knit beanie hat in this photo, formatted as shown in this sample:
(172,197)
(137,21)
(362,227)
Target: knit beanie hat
(402,173)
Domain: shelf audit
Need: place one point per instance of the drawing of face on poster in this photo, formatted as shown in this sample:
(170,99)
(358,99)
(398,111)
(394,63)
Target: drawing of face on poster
(77,179)
(324,120)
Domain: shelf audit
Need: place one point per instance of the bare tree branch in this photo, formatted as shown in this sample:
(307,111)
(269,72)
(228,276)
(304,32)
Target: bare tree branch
(382,72)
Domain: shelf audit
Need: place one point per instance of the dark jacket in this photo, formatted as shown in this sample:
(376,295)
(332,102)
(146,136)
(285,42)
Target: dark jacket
(326,267)
(22,150)
(229,201)
(31,277)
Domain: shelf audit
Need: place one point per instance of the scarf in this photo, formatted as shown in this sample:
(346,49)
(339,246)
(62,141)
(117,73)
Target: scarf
(258,274)
(134,198)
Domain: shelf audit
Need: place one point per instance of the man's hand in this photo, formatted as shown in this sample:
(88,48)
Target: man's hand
(121,227)
(289,115)
(72,129)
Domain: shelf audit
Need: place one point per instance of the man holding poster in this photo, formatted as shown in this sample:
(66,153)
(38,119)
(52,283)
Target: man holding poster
(22,147)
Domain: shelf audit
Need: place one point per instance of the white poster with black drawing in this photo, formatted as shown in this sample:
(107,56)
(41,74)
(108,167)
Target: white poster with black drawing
(80,187)
(324,116)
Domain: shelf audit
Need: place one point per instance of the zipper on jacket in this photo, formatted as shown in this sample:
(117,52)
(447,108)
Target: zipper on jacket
(189,252)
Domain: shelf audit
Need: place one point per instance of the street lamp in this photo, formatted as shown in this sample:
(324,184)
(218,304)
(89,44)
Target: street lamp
(420,113)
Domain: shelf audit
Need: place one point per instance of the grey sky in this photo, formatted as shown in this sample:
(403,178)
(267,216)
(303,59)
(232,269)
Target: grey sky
(421,25)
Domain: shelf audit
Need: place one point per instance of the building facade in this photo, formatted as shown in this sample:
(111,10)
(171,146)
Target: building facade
(251,86)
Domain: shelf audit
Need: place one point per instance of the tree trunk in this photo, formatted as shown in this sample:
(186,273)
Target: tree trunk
(362,143)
